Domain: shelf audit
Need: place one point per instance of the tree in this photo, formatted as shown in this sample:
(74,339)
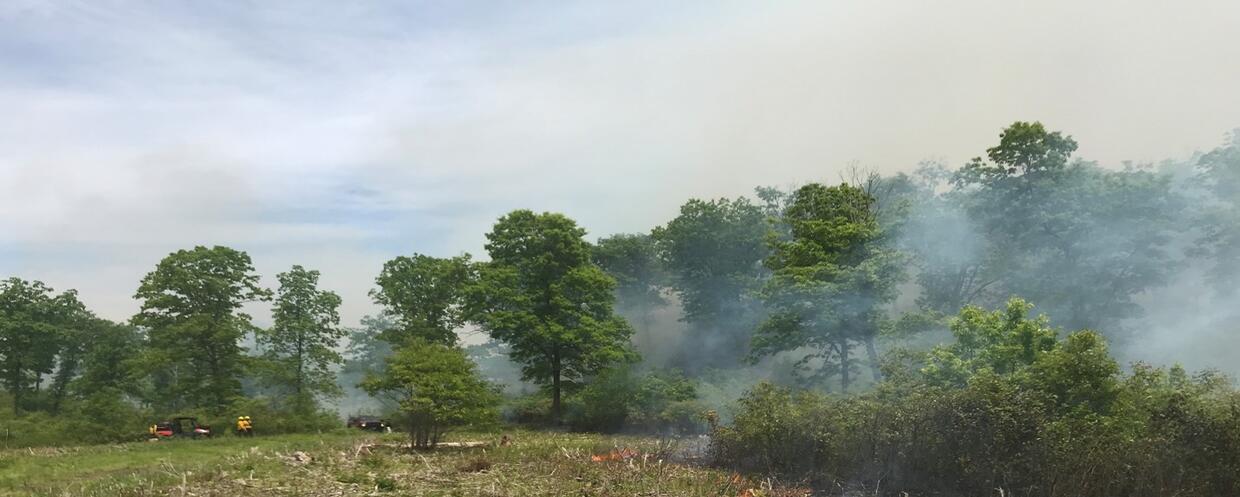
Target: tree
(365,351)
(1001,342)
(109,363)
(436,387)
(423,295)
(1078,240)
(830,280)
(632,261)
(33,324)
(300,347)
(541,295)
(191,310)
(95,355)
(949,256)
(1219,172)
(713,251)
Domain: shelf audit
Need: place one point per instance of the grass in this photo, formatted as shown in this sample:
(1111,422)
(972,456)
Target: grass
(534,464)
(125,469)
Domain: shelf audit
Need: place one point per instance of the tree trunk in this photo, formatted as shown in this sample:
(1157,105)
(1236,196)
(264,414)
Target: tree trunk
(872,352)
(845,376)
(17,393)
(555,389)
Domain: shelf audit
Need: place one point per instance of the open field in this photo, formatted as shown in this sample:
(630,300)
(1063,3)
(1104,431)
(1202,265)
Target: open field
(357,464)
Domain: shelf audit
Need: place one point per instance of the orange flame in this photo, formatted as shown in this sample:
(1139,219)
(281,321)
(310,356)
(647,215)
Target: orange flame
(615,455)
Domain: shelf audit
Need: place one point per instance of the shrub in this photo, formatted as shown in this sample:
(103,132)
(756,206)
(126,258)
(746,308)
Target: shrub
(1008,411)
(437,388)
(653,402)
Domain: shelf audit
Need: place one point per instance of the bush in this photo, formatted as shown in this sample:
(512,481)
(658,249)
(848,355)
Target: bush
(1055,419)
(436,388)
(102,417)
(269,420)
(529,410)
(655,402)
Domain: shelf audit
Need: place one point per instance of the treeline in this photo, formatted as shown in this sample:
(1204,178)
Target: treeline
(809,286)
(816,281)
(73,377)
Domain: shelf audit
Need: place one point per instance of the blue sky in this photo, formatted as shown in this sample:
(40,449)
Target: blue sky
(337,136)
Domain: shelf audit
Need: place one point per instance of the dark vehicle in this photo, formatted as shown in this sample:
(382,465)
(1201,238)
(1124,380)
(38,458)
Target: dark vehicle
(368,423)
(183,427)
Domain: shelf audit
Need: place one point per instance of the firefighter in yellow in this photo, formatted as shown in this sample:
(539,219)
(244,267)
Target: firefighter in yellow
(247,426)
(241,426)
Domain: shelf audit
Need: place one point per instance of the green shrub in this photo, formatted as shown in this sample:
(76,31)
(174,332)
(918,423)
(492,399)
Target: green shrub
(529,410)
(653,402)
(1008,411)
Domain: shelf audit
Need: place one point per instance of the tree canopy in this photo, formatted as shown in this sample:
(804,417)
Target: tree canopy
(191,309)
(542,295)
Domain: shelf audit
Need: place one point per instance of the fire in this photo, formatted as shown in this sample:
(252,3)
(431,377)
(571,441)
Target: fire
(615,455)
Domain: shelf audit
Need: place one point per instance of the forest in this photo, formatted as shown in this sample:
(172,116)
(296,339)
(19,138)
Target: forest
(995,324)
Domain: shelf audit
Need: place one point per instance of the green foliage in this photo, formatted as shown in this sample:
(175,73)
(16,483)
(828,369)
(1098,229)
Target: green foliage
(423,295)
(1219,219)
(529,410)
(36,326)
(1008,407)
(191,311)
(274,417)
(632,261)
(544,298)
(713,252)
(831,278)
(1079,240)
(100,417)
(654,402)
(1000,341)
(363,353)
(109,360)
(436,388)
(366,350)
(640,281)
(299,349)
(1024,149)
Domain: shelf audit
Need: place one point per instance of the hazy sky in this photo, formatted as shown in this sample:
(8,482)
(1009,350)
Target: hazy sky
(337,136)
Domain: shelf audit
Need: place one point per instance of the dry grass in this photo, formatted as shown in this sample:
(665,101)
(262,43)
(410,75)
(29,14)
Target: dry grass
(534,464)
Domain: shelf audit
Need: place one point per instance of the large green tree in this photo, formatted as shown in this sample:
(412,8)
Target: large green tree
(299,350)
(109,361)
(436,387)
(422,294)
(541,295)
(1074,238)
(91,359)
(831,282)
(191,309)
(713,251)
(35,324)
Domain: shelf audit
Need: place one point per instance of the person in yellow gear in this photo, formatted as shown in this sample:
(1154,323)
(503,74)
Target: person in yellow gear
(240,425)
(249,427)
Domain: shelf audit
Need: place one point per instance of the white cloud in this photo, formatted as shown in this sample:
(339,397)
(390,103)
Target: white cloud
(337,136)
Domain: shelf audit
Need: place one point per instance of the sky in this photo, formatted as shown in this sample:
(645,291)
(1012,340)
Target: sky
(337,135)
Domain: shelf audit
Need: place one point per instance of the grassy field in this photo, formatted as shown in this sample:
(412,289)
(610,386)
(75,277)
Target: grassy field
(535,463)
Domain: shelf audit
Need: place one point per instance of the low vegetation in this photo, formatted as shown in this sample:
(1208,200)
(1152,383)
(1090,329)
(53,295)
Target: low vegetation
(530,464)
(1009,406)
